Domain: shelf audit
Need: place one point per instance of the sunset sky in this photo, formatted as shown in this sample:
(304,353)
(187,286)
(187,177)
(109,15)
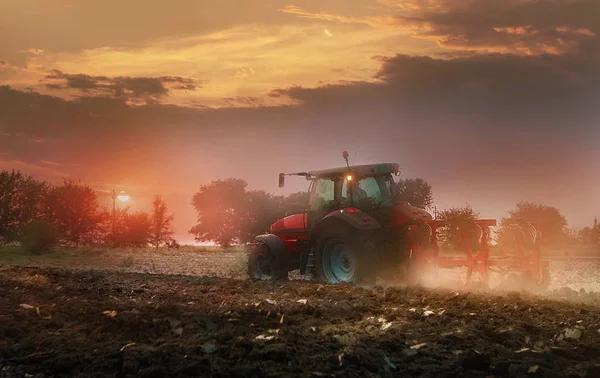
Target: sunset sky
(490,101)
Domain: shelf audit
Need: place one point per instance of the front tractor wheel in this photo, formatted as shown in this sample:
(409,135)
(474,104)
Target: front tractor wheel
(262,265)
(342,256)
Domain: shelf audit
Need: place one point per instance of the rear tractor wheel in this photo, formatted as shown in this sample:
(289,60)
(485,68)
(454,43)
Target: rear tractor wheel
(345,256)
(262,265)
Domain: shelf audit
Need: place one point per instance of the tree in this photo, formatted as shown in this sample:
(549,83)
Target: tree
(590,235)
(21,199)
(572,236)
(460,219)
(546,219)
(160,231)
(415,191)
(73,208)
(39,236)
(262,209)
(220,207)
(102,234)
(135,231)
(295,203)
(585,236)
(595,233)
(131,229)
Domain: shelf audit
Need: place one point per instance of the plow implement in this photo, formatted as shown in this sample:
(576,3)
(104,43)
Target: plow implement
(522,255)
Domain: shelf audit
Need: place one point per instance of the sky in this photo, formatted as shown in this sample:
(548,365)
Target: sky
(490,101)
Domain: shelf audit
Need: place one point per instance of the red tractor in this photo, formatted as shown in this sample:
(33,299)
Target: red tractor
(353,229)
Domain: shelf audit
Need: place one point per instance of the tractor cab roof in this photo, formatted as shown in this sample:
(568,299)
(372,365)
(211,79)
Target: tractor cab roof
(362,170)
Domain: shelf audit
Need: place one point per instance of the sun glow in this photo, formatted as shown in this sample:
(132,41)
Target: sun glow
(123,197)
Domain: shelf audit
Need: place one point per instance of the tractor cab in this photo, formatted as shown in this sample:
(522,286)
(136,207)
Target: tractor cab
(369,188)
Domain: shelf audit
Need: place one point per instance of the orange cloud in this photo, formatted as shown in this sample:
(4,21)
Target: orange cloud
(570,30)
(243,62)
(517,30)
(381,22)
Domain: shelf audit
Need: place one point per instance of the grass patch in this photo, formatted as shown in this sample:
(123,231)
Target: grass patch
(201,260)
(127,262)
(240,266)
(16,255)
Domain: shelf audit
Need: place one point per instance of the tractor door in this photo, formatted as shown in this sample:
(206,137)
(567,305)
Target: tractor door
(322,200)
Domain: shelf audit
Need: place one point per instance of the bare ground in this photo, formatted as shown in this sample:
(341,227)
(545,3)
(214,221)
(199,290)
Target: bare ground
(88,322)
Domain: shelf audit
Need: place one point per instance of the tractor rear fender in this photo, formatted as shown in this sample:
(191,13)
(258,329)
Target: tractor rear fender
(356,218)
(347,217)
(277,248)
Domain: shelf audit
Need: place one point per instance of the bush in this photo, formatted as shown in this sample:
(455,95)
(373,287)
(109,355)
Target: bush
(39,237)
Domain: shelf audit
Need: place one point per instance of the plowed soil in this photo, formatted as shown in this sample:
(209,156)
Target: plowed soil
(59,322)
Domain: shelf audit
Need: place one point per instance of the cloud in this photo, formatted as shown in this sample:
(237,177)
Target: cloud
(51,163)
(476,83)
(34,51)
(245,60)
(380,22)
(517,27)
(493,85)
(245,101)
(38,170)
(130,89)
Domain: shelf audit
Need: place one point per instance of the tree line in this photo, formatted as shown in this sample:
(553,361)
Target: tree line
(228,213)
(39,216)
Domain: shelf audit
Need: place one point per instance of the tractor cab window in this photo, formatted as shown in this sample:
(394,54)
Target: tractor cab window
(368,192)
(323,194)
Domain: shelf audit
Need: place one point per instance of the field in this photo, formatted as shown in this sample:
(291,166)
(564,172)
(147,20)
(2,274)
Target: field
(191,312)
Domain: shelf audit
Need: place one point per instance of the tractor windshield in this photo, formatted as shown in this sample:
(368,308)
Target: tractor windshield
(368,192)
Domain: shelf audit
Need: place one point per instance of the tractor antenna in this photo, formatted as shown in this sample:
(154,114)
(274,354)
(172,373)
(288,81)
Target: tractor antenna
(354,159)
(345,156)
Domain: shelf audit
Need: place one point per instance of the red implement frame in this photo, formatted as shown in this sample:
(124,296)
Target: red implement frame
(429,259)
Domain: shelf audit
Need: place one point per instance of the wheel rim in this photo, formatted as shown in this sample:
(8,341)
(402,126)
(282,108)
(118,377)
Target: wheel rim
(262,268)
(339,263)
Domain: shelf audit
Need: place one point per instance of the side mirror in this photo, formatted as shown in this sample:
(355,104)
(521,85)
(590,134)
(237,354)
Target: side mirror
(281,179)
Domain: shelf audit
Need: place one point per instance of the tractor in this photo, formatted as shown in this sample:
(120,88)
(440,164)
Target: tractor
(352,231)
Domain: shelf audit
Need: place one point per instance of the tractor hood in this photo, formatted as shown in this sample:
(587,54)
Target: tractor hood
(291,223)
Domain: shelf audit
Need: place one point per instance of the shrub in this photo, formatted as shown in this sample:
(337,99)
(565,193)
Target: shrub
(39,236)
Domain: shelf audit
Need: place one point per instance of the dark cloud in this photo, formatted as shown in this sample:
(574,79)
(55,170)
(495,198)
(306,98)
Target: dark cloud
(498,86)
(509,26)
(131,89)
(5,69)
(243,101)
(516,26)
(525,92)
